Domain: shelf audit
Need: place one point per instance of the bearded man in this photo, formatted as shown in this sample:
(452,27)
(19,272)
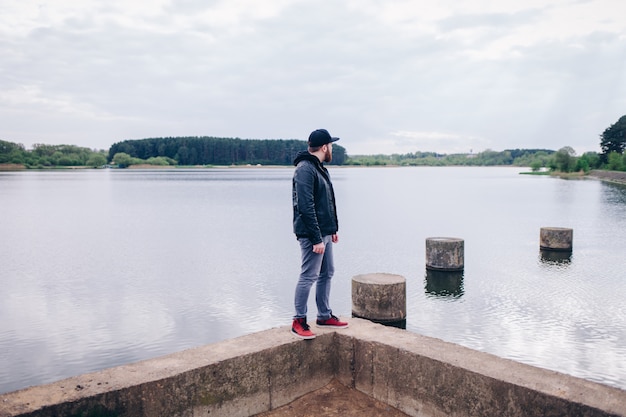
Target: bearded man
(315,226)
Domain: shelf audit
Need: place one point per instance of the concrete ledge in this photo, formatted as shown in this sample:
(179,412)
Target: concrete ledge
(238,377)
(420,376)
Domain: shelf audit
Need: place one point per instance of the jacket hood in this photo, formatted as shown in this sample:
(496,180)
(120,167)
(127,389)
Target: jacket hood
(306,156)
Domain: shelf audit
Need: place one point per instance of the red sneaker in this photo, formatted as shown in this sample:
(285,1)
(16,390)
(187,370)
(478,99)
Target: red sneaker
(301,329)
(333,321)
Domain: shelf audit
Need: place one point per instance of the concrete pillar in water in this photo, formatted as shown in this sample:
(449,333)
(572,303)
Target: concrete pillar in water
(556,239)
(445,253)
(380,298)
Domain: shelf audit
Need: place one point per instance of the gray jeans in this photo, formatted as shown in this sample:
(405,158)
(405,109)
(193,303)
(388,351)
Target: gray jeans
(317,268)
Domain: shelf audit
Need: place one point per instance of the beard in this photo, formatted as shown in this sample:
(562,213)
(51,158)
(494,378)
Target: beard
(328,156)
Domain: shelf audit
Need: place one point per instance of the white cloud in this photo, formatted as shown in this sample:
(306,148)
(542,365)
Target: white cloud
(414,141)
(499,75)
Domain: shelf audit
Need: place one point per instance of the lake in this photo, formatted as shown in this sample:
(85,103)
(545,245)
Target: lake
(105,267)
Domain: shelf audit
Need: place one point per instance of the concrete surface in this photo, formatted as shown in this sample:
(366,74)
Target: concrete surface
(422,376)
(261,372)
(334,400)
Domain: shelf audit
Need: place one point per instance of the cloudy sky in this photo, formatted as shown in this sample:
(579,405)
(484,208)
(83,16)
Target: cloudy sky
(387,76)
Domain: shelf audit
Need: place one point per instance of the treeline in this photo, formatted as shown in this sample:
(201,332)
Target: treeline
(563,160)
(173,151)
(206,151)
(49,156)
(218,151)
(518,157)
(612,143)
(223,151)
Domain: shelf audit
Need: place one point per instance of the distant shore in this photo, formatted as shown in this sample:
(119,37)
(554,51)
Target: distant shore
(11,167)
(618,177)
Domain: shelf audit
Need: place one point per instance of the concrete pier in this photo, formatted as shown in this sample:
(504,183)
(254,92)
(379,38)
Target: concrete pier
(417,375)
(556,239)
(379,297)
(445,253)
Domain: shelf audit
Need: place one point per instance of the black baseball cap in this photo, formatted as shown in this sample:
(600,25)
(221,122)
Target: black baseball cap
(320,137)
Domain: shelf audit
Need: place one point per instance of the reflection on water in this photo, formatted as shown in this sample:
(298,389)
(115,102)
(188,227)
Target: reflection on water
(400,324)
(552,257)
(444,284)
(614,195)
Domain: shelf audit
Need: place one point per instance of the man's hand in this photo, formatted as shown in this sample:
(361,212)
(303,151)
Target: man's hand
(319,248)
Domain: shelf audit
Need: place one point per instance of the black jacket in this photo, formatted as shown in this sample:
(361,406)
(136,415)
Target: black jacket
(314,210)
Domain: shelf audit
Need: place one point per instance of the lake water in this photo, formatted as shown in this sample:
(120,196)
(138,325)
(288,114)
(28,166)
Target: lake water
(105,267)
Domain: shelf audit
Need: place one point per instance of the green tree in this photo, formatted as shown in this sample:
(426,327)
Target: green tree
(160,160)
(531,157)
(96,160)
(565,159)
(614,162)
(588,161)
(536,165)
(11,153)
(62,155)
(124,160)
(582,164)
(613,139)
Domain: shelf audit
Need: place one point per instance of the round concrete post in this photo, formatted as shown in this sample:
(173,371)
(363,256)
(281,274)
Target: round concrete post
(379,297)
(445,253)
(556,239)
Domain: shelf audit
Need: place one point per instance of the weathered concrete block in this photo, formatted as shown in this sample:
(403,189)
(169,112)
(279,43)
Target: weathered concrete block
(556,239)
(379,297)
(234,378)
(428,377)
(445,253)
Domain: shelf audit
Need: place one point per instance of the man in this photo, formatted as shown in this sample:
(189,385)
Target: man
(315,225)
